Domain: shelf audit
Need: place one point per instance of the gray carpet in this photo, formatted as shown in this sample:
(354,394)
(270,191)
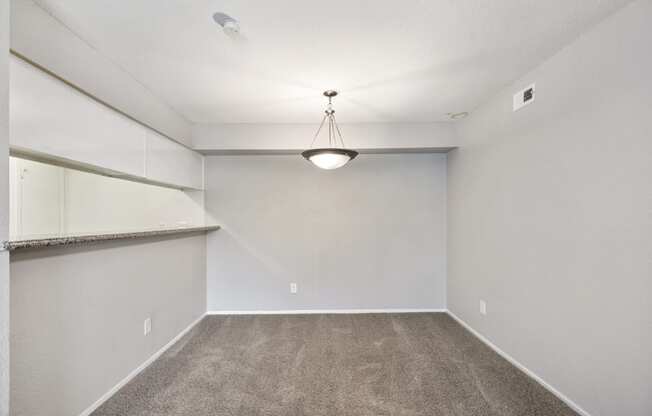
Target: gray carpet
(377,364)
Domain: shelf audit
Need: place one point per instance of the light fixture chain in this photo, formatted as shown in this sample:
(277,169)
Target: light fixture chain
(330,130)
(339,133)
(318,130)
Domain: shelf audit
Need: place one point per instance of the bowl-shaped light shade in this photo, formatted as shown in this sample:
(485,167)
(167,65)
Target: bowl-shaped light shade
(329,158)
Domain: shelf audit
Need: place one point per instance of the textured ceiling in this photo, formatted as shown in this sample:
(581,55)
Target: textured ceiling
(392,61)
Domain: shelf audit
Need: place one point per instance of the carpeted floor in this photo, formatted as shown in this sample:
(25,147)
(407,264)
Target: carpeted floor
(348,365)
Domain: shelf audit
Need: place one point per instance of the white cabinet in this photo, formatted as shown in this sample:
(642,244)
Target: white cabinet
(47,116)
(50,119)
(169,162)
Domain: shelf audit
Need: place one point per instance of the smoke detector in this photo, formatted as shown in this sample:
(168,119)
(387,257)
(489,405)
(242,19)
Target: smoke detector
(230,26)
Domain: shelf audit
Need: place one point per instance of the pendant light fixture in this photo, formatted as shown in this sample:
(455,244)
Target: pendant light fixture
(333,156)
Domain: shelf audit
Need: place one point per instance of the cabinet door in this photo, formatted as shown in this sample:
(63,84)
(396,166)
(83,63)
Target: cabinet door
(171,163)
(47,116)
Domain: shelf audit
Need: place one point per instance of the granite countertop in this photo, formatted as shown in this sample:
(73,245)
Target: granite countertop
(68,240)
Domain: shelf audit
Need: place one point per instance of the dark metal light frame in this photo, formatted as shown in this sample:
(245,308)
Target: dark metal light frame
(334,134)
(337,150)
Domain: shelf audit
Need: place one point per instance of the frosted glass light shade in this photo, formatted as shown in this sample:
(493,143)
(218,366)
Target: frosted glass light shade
(329,158)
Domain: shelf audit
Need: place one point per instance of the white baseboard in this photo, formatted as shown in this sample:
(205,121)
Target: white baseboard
(321,311)
(137,371)
(521,367)
(500,352)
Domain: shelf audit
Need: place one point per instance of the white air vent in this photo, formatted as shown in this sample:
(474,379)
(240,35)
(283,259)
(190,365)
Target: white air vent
(524,97)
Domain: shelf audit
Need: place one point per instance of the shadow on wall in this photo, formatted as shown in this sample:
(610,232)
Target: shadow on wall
(246,271)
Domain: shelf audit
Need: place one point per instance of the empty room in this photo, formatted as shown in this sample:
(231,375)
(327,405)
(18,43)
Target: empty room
(309,208)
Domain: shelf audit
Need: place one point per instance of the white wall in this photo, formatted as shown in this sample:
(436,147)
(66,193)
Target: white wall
(370,235)
(297,137)
(99,203)
(550,219)
(4,206)
(50,200)
(77,316)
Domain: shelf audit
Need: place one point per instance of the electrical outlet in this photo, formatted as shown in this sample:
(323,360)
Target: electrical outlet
(293,288)
(523,97)
(147,326)
(483,307)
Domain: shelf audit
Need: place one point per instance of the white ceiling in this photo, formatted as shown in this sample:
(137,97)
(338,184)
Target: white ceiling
(392,61)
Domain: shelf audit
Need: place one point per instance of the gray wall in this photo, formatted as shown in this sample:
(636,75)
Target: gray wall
(550,219)
(368,236)
(77,316)
(4,206)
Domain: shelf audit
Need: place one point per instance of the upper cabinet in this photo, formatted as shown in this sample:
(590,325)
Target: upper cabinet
(169,162)
(47,116)
(51,119)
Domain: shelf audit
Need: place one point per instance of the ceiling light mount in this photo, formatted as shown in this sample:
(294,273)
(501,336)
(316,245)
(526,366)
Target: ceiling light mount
(458,116)
(230,26)
(333,156)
